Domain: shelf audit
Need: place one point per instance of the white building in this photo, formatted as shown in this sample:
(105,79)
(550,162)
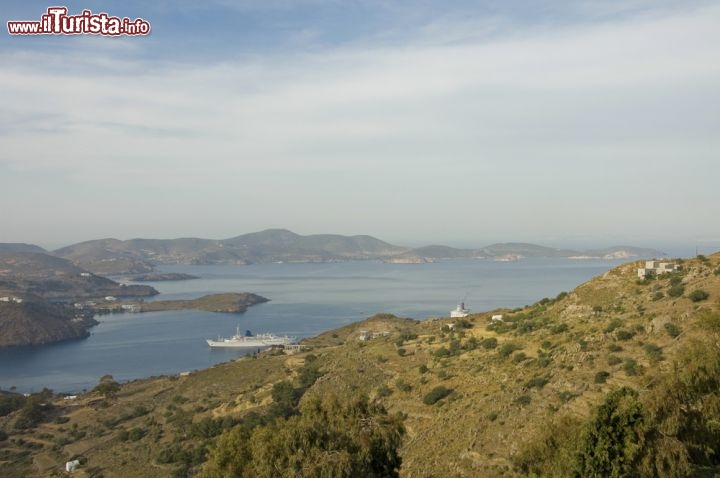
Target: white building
(70,466)
(460,311)
(17,300)
(497,318)
(657,268)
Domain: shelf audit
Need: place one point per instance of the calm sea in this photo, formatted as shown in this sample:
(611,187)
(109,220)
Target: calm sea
(306,299)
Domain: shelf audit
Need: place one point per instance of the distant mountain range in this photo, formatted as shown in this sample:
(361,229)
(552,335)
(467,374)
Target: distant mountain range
(137,256)
(111,256)
(510,251)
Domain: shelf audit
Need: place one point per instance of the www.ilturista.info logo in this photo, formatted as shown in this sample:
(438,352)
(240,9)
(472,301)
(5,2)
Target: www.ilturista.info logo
(57,22)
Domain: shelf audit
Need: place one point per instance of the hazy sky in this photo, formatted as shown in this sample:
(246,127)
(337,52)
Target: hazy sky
(414,121)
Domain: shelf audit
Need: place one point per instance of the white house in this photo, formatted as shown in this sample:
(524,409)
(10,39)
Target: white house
(657,268)
(110,298)
(70,466)
(17,300)
(497,318)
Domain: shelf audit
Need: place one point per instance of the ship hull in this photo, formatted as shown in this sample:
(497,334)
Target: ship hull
(236,343)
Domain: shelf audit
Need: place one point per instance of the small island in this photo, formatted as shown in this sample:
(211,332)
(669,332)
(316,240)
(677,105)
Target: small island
(159,277)
(230,302)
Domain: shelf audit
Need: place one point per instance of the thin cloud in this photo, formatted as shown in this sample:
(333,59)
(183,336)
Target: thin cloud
(547,111)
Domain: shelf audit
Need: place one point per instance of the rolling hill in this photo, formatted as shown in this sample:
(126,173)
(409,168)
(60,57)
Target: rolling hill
(112,256)
(115,257)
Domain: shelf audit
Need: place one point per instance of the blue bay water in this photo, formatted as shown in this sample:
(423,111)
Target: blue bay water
(306,299)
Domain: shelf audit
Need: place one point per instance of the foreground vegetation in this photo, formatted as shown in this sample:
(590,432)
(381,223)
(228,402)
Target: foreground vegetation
(618,377)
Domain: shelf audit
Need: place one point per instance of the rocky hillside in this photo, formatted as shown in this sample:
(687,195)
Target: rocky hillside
(619,374)
(37,322)
(28,283)
(48,276)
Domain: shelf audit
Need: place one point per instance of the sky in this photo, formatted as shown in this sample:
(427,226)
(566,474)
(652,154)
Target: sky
(418,122)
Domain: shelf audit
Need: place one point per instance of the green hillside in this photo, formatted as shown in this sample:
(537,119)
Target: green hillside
(618,377)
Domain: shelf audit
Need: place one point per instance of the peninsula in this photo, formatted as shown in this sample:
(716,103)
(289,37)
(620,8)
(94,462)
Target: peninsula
(230,303)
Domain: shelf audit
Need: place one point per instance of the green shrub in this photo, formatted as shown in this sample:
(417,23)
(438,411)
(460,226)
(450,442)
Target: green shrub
(566,396)
(331,436)
(422,368)
(310,371)
(523,400)
(658,295)
(401,352)
(407,335)
(672,329)
(508,348)
(107,386)
(489,343)
(610,445)
(675,279)
(676,291)
(654,352)
(601,376)
(544,360)
(613,360)
(698,295)
(614,324)
(519,357)
(402,385)
(384,391)
(471,344)
(630,366)
(10,402)
(492,416)
(537,382)
(559,328)
(136,434)
(624,334)
(615,348)
(436,394)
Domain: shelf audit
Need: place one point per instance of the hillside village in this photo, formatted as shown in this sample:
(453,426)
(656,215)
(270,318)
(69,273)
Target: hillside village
(523,394)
